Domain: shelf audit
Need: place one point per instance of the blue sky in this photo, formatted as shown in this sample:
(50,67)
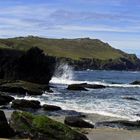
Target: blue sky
(114,21)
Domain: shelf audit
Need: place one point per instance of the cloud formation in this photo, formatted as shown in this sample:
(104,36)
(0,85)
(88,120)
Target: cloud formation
(108,20)
(42,16)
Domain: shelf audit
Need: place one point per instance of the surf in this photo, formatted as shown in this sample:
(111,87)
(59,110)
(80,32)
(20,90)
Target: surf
(65,75)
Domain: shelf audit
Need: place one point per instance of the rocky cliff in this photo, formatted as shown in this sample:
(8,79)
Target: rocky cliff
(81,53)
(33,65)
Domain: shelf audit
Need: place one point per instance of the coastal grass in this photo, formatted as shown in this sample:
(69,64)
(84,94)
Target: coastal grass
(69,48)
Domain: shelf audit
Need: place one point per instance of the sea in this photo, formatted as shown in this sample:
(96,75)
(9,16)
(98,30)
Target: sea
(107,102)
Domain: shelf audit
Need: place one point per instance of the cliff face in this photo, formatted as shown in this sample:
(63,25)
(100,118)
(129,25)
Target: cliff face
(32,66)
(81,53)
(97,64)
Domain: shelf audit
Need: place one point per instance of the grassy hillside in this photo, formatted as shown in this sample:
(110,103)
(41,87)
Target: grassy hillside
(69,48)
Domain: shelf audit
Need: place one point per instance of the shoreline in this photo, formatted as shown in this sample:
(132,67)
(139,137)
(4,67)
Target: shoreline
(103,133)
(113,134)
(91,118)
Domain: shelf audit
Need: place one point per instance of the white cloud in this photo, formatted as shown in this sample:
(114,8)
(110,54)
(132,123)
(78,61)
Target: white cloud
(53,21)
(37,18)
(100,28)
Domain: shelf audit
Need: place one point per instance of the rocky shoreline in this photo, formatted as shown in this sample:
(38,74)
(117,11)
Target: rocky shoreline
(104,130)
(73,121)
(93,54)
(30,74)
(131,63)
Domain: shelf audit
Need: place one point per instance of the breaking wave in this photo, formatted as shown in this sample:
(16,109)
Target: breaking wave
(64,74)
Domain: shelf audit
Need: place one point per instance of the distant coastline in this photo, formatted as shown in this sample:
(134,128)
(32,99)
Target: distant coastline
(80,53)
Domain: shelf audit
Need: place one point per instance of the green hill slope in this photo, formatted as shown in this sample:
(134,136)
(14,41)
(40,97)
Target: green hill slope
(69,48)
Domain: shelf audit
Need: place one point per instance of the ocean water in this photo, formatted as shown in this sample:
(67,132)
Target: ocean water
(108,101)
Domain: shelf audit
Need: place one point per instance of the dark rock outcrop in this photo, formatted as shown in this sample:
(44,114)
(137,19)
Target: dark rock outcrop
(93,54)
(5,99)
(83,86)
(51,107)
(5,130)
(42,128)
(23,104)
(75,121)
(130,98)
(11,89)
(65,113)
(76,87)
(22,87)
(119,124)
(4,107)
(124,63)
(93,86)
(135,83)
(33,65)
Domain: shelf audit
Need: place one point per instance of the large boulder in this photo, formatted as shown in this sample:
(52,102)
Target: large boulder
(25,104)
(75,121)
(32,65)
(84,86)
(23,87)
(51,107)
(76,87)
(5,99)
(5,130)
(35,66)
(93,86)
(135,83)
(42,128)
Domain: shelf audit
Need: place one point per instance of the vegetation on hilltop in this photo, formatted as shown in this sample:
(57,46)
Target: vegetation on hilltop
(81,53)
(69,48)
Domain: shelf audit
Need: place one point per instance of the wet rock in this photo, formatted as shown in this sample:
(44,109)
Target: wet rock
(76,87)
(39,127)
(116,83)
(51,107)
(77,122)
(135,83)
(4,107)
(31,65)
(5,99)
(23,104)
(137,114)
(11,89)
(5,130)
(119,124)
(130,98)
(94,86)
(66,113)
(83,86)
(23,87)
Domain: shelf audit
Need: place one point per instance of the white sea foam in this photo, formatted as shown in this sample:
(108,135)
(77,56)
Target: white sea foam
(100,107)
(27,97)
(65,81)
(124,111)
(71,105)
(64,75)
(64,71)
